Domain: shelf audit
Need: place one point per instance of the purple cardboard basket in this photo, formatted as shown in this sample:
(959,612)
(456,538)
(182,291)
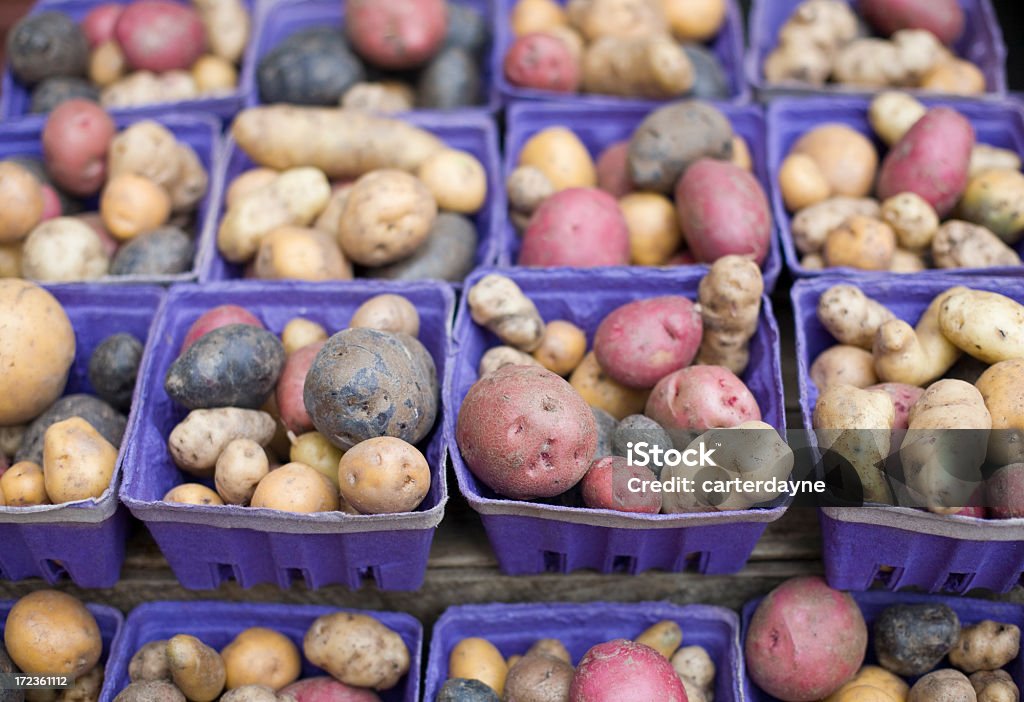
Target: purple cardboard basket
(15,98)
(981,43)
(23,137)
(279,19)
(728,48)
(83,540)
(533,537)
(514,628)
(473,133)
(599,128)
(901,547)
(996,123)
(206,545)
(970,611)
(217,624)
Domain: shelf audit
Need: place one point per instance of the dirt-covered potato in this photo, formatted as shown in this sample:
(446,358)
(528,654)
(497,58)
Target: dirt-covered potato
(357,650)
(52,633)
(478,659)
(995,686)
(456,179)
(599,390)
(960,244)
(162,251)
(105,419)
(64,249)
(560,155)
(538,678)
(78,463)
(383,475)
(45,45)
(150,663)
(196,669)
(987,645)
(298,253)
(21,202)
(693,664)
(388,313)
(261,656)
(239,469)
(150,691)
(199,439)
(250,693)
(148,149)
(498,303)
(448,254)
(913,220)
(911,640)
(23,485)
(811,225)
(942,686)
(192,494)
(298,488)
(300,332)
(133,204)
(562,347)
(647,67)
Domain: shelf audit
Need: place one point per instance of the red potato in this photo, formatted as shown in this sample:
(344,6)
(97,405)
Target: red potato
(221,316)
(543,62)
(977,512)
(1004,492)
(903,398)
(683,258)
(98,25)
(580,227)
(160,35)
(625,671)
(613,170)
(699,398)
(607,486)
(526,433)
(396,34)
(932,160)
(325,689)
(805,640)
(290,387)
(51,202)
(75,141)
(943,18)
(641,342)
(723,210)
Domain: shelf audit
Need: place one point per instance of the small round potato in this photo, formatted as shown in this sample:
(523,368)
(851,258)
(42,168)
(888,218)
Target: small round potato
(457,180)
(22,485)
(893,113)
(530,16)
(943,686)
(247,182)
(478,659)
(107,64)
(560,155)
(193,494)
(527,187)
(78,463)
(562,347)
(296,487)
(845,157)
(300,332)
(240,468)
(21,202)
(260,656)
(148,149)
(695,20)
(654,234)
(390,313)
(150,663)
(298,253)
(861,242)
(538,678)
(313,449)
(913,219)
(339,643)
(848,365)
(598,390)
(802,182)
(64,249)
(384,475)
(52,633)
(214,74)
(132,204)
(956,77)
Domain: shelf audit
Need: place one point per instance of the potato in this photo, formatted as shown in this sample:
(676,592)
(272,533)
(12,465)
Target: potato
(147,149)
(868,64)
(247,182)
(21,202)
(389,313)
(214,75)
(227,24)
(456,179)
(893,113)
(384,475)
(449,253)
(654,234)
(393,35)
(503,431)
(498,357)
(150,663)
(844,365)
(63,249)
(196,669)
(107,64)
(113,367)
(160,36)
(995,200)
(912,219)
(382,98)
(133,204)
(596,19)
(846,158)
(959,244)
(311,67)
(163,251)
(903,397)
(10,260)
(105,419)
(75,142)
(987,325)
(542,61)
(802,182)
(313,449)
(799,62)
(49,94)
(665,637)
(985,158)
(192,494)
(324,687)
(911,640)
(528,187)
(551,648)
(297,488)
(300,332)
(1000,386)
(944,19)
(389,383)
(646,67)
(811,225)
(289,388)
(478,659)
(987,645)
(192,181)
(562,347)
(917,355)
(699,398)
(606,486)
(150,691)
(44,45)
(851,316)
(78,463)
(536,16)
(641,342)
(298,253)
(560,155)
(220,316)
(861,242)
(627,671)
(942,686)
(612,173)
(956,76)
(694,664)
(538,679)
(598,390)
(338,643)
(52,633)
(239,469)
(995,686)
(580,227)
(260,656)
(22,485)
(199,439)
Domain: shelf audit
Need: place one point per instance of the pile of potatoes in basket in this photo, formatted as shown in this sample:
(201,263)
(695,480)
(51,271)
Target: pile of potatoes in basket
(824,40)
(573,212)
(130,54)
(924,642)
(627,48)
(391,56)
(52,633)
(912,390)
(148,184)
(350,408)
(360,654)
(662,370)
(57,448)
(653,666)
(299,215)
(940,200)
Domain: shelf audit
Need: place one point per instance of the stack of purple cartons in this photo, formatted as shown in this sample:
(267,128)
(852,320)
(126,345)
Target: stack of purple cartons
(535,537)
(216,624)
(15,100)
(206,545)
(84,540)
(514,628)
(969,611)
(981,43)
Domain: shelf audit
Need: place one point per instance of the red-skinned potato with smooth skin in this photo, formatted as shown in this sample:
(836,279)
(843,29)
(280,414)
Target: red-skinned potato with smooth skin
(723,210)
(699,398)
(932,160)
(160,35)
(75,141)
(641,342)
(396,34)
(290,387)
(1004,492)
(580,227)
(543,62)
(606,486)
(943,18)
(625,671)
(98,25)
(526,433)
(218,317)
(613,170)
(326,689)
(805,640)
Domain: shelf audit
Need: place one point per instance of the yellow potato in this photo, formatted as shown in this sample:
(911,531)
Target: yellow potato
(132,204)
(52,633)
(695,20)
(107,64)
(562,347)
(654,234)
(213,74)
(478,659)
(384,475)
(802,182)
(240,468)
(665,637)
(561,156)
(299,253)
(21,202)
(78,463)
(193,494)
(530,16)
(23,486)
(296,487)
(196,669)
(247,182)
(10,260)
(313,449)
(456,179)
(300,332)
(846,158)
(957,77)
(390,313)
(598,390)
(260,656)
(741,154)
